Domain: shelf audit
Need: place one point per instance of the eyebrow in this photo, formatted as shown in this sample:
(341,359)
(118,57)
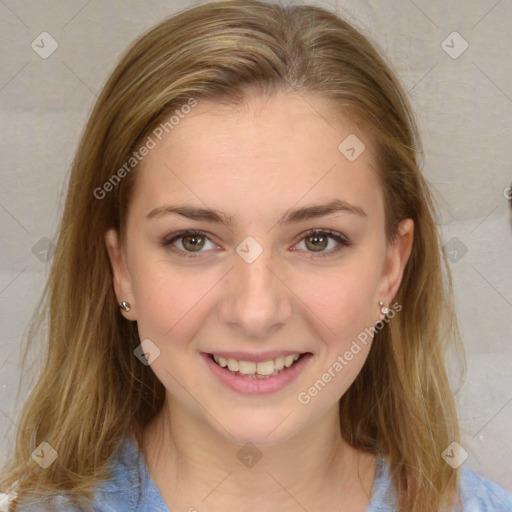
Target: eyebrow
(289,217)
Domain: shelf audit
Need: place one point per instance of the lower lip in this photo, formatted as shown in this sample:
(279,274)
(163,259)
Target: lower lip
(256,386)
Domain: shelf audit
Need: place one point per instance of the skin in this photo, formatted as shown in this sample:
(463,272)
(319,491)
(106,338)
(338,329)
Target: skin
(254,163)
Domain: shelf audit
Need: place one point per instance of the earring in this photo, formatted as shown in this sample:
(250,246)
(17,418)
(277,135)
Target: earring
(125,306)
(383,309)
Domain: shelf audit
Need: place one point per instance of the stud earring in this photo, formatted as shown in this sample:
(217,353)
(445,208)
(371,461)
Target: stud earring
(383,309)
(125,306)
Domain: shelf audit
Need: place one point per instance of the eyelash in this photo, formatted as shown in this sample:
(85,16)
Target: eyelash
(338,237)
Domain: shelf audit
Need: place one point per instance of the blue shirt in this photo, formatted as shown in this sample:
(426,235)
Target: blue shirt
(131,489)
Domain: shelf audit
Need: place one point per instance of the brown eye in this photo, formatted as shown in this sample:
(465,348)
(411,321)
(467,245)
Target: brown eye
(317,242)
(192,242)
(189,243)
(323,243)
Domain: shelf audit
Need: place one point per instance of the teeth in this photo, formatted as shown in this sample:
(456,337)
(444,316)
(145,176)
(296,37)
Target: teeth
(247,367)
(279,363)
(233,365)
(250,368)
(288,361)
(265,368)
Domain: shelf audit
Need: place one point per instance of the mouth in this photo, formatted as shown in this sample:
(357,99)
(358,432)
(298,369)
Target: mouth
(260,369)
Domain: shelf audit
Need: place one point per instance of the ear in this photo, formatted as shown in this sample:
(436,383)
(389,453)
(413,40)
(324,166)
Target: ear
(397,255)
(122,280)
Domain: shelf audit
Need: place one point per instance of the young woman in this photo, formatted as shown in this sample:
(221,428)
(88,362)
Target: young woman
(246,308)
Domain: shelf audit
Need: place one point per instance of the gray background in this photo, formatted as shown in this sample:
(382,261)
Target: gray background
(464,108)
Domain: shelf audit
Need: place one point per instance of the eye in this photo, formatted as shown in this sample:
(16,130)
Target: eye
(318,240)
(192,242)
(187,243)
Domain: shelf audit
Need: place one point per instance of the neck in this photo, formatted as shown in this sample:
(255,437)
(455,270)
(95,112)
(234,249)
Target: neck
(196,466)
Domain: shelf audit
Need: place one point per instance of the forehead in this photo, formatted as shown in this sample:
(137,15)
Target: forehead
(262,156)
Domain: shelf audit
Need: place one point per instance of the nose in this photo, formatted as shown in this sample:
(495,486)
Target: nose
(257,301)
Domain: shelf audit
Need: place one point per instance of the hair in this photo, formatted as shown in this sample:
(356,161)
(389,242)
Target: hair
(92,391)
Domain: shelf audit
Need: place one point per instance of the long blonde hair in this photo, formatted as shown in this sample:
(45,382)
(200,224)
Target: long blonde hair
(92,389)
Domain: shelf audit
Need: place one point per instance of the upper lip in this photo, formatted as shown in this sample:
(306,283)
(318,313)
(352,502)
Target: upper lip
(258,357)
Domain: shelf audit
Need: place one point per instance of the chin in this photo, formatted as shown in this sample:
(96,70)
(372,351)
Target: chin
(258,428)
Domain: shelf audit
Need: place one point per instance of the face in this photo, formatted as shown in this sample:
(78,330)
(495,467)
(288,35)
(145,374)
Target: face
(252,239)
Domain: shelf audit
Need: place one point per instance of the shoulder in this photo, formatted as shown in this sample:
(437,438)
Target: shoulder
(131,488)
(126,490)
(478,494)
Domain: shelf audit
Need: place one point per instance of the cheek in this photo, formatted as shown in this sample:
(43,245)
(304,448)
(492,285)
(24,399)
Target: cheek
(169,310)
(165,300)
(342,309)
(343,300)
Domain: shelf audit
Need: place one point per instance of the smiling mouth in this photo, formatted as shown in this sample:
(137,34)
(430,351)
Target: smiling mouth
(259,370)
